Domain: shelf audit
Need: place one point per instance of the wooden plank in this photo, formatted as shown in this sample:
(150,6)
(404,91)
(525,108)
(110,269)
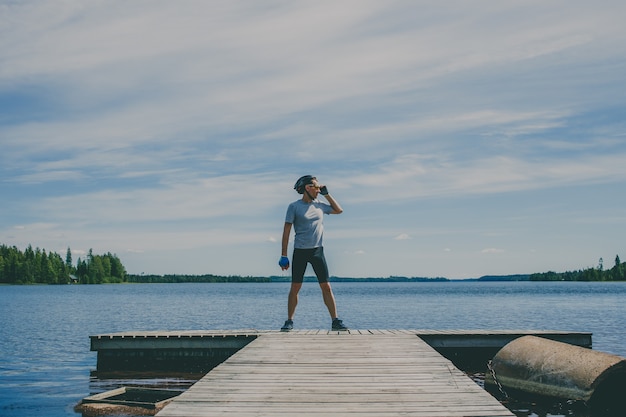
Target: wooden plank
(382,373)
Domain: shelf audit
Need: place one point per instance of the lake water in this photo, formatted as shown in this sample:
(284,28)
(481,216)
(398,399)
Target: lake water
(46,364)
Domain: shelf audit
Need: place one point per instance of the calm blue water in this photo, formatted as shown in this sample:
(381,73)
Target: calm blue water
(45,362)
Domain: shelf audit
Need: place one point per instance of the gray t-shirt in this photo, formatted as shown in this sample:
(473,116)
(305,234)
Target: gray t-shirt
(308,222)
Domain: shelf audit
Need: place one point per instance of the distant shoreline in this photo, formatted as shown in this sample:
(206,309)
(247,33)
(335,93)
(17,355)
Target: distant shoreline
(215,279)
(174,278)
(36,266)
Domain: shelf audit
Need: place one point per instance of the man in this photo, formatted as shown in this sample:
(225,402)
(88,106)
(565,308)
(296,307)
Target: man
(306,217)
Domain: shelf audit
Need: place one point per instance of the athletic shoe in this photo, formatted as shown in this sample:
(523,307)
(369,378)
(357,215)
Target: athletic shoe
(338,325)
(287,327)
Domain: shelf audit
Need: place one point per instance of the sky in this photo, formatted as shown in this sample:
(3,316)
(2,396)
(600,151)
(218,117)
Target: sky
(461,138)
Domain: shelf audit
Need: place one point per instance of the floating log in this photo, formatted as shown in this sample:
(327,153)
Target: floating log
(546,368)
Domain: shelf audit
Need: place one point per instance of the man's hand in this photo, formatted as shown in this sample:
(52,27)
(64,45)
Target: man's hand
(283,263)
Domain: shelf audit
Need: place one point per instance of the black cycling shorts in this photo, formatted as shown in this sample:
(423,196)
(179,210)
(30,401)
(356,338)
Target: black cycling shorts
(315,257)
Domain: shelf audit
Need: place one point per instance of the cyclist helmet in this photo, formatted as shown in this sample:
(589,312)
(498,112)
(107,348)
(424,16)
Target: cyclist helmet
(302,181)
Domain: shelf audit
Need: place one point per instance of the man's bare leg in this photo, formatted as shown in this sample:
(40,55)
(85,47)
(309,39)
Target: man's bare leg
(329,299)
(292,302)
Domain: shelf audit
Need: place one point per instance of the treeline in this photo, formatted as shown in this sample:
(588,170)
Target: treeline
(150,279)
(36,266)
(332,278)
(616,273)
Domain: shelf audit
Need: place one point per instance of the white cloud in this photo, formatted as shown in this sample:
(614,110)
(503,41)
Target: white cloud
(492,250)
(157,124)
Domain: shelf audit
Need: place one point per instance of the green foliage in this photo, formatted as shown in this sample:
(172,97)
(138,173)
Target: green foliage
(39,267)
(193,278)
(617,273)
(36,266)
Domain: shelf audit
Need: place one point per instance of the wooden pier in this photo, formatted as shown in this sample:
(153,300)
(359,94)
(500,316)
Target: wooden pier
(323,373)
(336,374)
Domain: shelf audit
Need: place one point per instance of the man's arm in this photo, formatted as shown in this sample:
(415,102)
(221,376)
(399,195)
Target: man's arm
(334,204)
(285,241)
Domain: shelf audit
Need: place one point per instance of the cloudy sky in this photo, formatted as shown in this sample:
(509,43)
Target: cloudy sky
(462,138)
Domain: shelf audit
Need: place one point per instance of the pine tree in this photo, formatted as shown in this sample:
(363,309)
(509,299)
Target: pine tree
(68,259)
